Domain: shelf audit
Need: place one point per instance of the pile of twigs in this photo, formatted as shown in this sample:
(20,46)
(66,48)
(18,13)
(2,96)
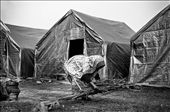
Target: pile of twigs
(104,87)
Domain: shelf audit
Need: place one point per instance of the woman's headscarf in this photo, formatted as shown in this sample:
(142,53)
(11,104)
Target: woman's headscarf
(79,65)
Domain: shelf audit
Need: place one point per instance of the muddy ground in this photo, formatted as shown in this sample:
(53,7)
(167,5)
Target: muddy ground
(146,99)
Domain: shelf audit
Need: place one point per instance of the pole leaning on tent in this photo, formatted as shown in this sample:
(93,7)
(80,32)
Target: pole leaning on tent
(7,49)
(19,72)
(35,65)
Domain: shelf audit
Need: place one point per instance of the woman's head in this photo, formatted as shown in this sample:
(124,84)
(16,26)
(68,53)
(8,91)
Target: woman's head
(98,61)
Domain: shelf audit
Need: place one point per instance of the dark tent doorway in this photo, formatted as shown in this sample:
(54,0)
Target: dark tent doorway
(27,63)
(76,47)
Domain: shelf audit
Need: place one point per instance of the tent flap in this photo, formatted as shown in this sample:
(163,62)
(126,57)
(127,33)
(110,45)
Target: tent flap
(118,60)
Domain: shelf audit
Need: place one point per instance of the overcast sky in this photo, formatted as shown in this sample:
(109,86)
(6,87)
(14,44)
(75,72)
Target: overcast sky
(44,14)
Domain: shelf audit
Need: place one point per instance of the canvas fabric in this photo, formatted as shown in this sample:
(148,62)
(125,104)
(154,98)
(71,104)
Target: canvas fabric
(26,38)
(118,60)
(9,54)
(150,56)
(52,50)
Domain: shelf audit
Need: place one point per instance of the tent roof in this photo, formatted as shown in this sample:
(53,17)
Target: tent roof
(147,25)
(25,37)
(6,29)
(108,30)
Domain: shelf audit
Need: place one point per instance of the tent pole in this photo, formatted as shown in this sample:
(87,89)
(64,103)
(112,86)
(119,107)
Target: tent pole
(7,58)
(68,46)
(105,69)
(19,67)
(35,64)
(85,46)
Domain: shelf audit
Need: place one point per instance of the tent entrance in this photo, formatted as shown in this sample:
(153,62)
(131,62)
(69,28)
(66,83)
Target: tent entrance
(76,47)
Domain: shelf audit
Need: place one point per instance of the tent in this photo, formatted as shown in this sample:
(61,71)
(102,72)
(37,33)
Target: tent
(118,60)
(150,55)
(9,53)
(26,38)
(77,33)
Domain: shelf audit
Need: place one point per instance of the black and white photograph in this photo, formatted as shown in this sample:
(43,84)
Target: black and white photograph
(84,56)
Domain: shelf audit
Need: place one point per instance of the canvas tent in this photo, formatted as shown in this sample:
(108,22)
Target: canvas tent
(77,33)
(118,60)
(9,54)
(150,56)
(26,38)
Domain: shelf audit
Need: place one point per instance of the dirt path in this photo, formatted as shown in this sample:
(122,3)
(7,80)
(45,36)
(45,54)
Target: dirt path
(144,100)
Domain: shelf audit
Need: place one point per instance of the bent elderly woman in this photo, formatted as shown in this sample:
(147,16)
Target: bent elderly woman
(81,70)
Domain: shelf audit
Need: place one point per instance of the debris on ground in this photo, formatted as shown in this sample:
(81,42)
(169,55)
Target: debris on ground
(123,97)
(104,87)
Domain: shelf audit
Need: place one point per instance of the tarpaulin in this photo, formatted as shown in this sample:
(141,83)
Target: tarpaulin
(150,56)
(26,38)
(9,54)
(118,60)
